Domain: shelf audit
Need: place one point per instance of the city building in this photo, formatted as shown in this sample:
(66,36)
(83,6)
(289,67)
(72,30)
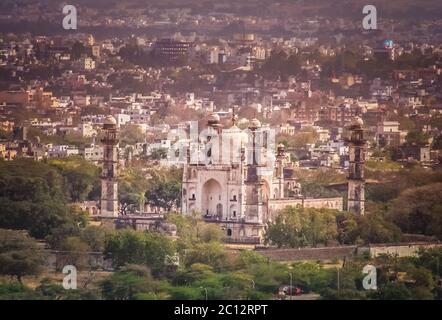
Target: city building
(171,49)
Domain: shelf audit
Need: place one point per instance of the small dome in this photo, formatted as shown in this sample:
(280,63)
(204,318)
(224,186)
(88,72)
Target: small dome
(213,117)
(255,123)
(110,120)
(357,121)
(281,146)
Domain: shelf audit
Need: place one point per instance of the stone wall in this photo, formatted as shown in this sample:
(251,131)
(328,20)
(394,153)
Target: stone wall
(324,253)
(56,260)
(275,205)
(341,252)
(401,250)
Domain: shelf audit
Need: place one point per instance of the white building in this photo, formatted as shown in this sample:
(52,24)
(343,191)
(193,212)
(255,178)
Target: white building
(243,187)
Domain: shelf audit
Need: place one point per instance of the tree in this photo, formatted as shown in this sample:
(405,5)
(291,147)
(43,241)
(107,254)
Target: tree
(279,64)
(210,253)
(430,259)
(164,190)
(418,138)
(211,232)
(437,143)
(32,198)
(348,228)
(80,175)
(17,291)
(418,210)
(186,293)
(94,237)
(130,283)
(300,139)
(75,251)
(131,134)
(133,183)
(373,228)
(134,247)
(297,227)
(78,49)
(19,254)
(391,291)
(192,230)
(54,291)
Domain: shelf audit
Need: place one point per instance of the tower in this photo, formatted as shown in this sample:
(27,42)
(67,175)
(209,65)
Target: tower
(109,184)
(279,169)
(253,182)
(356,180)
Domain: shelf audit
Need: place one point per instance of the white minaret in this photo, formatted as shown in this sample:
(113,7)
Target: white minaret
(109,183)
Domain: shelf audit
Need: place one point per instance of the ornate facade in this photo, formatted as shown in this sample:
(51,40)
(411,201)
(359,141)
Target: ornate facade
(234,178)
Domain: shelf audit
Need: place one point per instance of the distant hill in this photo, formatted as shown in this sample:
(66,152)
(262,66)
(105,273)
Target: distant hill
(401,9)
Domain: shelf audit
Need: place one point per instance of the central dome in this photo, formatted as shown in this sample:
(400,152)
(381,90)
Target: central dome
(357,121)
(110,120)
(255,123)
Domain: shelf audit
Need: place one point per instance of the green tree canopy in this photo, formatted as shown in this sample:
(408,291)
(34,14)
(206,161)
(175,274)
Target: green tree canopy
(164,189)
(298,227)
(81,177)
(133,247)
(19,254)
(419,210)
(132,282)
(32,197)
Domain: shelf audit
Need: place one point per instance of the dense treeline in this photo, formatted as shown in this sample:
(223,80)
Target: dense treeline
(144,269)
(35,196)
(400,201)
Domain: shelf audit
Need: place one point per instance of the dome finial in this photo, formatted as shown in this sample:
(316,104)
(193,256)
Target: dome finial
(234,117)
(357,121)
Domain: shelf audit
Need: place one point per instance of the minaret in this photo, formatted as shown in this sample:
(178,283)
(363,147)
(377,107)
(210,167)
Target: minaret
(214,152)
(356,179)
(109,184)
(253,180)
(280,159)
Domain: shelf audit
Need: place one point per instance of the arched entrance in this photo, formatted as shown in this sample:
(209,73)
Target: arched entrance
(211,201)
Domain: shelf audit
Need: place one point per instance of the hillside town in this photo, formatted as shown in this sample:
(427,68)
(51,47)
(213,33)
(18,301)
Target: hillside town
(243,126)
